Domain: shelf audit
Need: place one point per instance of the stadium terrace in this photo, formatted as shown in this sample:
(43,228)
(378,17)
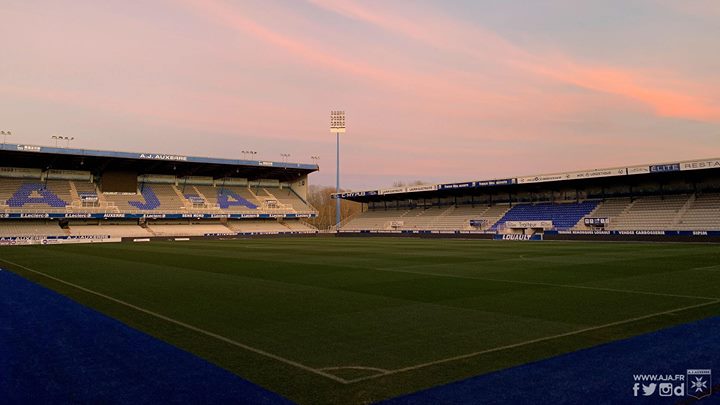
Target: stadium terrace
(58,195)
(666,201)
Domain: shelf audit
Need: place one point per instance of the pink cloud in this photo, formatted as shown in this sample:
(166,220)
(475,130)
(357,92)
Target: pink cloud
(647,88)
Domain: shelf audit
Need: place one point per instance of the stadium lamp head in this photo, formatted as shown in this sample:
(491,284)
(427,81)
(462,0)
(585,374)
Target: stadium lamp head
(337,122)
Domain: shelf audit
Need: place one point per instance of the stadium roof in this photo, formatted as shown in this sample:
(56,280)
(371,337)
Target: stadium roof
(151,162)
(542,180)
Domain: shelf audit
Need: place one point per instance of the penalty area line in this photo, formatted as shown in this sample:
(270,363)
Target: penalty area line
(187,326)
(530,342)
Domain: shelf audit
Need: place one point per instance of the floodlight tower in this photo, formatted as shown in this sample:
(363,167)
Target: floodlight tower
(5,134)
(337,125)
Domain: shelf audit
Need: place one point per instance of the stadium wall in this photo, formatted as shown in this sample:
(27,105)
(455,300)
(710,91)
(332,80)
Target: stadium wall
(639,236)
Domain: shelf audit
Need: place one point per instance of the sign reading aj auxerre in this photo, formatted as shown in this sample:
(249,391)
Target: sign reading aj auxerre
(160,156)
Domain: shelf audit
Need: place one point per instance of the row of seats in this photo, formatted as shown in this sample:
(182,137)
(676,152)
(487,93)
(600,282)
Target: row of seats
(30,228)
(675,212)
(563,216)
(436,219)
(702,214)
(16,193)
(51,228)
(649,213)
(64,195)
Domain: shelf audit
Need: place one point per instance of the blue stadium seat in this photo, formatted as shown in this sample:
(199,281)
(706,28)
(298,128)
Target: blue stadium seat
(24,195)
(564,216)
(151,200)
(228,198)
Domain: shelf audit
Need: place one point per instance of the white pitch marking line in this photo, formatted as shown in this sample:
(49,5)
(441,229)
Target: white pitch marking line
(709,268)
(529,342)
(379,370)
(187,326)
(423,273)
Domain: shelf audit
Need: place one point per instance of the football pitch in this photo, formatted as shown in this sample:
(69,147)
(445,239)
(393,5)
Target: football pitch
(358,320)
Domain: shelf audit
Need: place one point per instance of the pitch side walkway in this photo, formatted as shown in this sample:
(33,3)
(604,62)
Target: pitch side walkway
(599,375)
(54,350)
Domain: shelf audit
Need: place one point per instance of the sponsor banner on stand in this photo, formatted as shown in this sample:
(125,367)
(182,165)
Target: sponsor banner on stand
(529,224)
(452,186)
(396,190)
(490,183)
(633,170)
(519,237)
(422,187)
(52,240)
(579,175)
(670,167)
(700,164)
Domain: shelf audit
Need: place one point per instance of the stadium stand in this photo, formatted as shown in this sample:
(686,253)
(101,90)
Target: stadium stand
(289,198)
(650,213)
(563,216)
(371,220)
(27,194)
(299,226)
(31,228)
(677,200)
(265,226)
(186,229)
(112,230)
(674,212)
(437,219)
(120,194)
(56,195)
(460,217)
(702,214)
(610,208)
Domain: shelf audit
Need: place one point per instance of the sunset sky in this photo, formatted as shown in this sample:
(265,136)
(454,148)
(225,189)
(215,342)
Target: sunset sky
(434,90)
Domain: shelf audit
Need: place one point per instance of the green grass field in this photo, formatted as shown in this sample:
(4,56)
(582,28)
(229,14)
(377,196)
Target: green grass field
(356,320)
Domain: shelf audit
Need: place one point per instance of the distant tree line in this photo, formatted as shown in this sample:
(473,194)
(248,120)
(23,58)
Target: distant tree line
(320,198)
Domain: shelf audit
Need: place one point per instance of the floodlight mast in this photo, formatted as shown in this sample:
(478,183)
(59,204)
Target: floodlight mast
(5,134)
(337,126)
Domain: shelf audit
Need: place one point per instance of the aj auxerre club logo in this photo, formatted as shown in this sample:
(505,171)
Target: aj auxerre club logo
(696,383)
(699,383)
